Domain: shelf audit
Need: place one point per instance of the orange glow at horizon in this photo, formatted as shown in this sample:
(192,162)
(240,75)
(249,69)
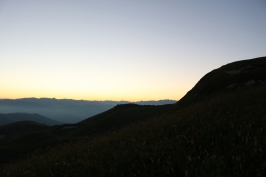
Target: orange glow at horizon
(16,94)
(121,50)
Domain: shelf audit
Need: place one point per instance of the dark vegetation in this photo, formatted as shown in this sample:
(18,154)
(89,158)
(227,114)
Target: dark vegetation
(222,133)
(118,117)
(21,138)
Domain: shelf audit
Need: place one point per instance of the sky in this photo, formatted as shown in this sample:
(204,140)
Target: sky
(122,49)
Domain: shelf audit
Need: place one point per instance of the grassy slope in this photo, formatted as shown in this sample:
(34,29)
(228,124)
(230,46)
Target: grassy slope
(114,118)
(23,137)
(117,117)
(221,136)
(18,128)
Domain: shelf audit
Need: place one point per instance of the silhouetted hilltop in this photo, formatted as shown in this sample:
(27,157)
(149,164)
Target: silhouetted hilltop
(132,105)
(117,117)
(16,117)
(230,77)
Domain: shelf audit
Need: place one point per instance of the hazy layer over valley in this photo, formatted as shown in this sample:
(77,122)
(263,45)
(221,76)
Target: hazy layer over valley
(65,110)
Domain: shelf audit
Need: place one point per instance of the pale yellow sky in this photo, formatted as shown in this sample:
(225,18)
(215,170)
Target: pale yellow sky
(122,50)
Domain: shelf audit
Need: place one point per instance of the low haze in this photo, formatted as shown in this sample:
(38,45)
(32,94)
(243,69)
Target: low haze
(122,50)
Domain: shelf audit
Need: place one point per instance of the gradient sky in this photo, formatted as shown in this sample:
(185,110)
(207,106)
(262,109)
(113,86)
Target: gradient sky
(122,49)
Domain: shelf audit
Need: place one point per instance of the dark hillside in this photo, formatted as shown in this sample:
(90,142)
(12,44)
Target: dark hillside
(20,138)
(16,117)
(217,130)
(229,77)
(13,130)
(221,136)
(117,117)
(22,145)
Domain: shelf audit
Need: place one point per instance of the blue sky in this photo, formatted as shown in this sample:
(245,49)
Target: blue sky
(122,50)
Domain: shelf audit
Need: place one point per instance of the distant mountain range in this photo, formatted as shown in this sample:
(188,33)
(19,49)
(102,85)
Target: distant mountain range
(64,110)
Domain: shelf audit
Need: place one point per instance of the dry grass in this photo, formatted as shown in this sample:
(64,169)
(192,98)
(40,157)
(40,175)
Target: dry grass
(222,136)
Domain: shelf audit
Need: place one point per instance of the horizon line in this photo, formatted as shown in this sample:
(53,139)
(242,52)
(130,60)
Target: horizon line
(80,99)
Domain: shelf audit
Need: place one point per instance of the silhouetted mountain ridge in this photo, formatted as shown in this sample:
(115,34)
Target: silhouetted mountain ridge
(227,78)
(17,117)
